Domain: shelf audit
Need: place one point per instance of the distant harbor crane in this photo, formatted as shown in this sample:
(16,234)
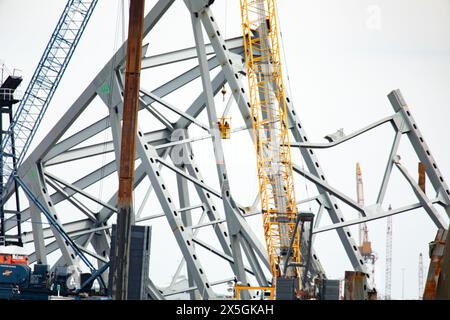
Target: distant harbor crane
(388,272)
(365,246)
(420,276)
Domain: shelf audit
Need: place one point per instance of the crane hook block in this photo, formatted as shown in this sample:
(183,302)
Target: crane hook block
(224,124)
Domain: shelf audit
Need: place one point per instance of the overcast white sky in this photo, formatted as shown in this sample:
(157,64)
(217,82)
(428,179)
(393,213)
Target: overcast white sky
(343,58)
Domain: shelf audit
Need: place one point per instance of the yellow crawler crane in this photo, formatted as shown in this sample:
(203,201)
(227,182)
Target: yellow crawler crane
(271,133)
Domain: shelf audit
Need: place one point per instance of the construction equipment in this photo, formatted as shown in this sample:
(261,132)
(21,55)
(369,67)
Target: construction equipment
(271,135)
(125,215)
(355,286)
(443,286)
(8,98)
(225,127)
(239,253)
(267,293)
(365,246)
(388,268)
(437,249)
(420,273)
(37,97)
(18,281)
(55,224)
(363,232)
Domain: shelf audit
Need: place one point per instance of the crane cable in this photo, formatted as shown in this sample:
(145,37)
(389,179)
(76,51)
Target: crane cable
(120,10)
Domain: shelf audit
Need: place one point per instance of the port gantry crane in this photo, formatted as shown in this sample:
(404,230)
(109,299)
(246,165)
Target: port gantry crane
(271,135)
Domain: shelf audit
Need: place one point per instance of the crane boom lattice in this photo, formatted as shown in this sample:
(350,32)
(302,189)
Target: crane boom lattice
(271,133)
(388,272)
(420,276)
(43,84)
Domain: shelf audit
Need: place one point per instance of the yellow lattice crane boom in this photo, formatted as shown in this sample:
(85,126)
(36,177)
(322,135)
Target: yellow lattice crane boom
(271,134)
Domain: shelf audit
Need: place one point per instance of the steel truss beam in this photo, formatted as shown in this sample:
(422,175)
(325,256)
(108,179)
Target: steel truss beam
(157,153)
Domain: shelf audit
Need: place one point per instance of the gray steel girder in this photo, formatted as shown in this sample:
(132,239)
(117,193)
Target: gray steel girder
(421,148)
(148,156)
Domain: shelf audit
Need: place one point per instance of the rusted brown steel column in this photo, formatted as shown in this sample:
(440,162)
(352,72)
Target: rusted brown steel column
(437,249)
(443,285)
(128,150)
(422,176)
(355,287)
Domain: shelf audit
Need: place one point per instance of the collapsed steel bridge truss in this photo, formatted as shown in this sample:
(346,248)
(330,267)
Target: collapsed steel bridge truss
(168,152)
